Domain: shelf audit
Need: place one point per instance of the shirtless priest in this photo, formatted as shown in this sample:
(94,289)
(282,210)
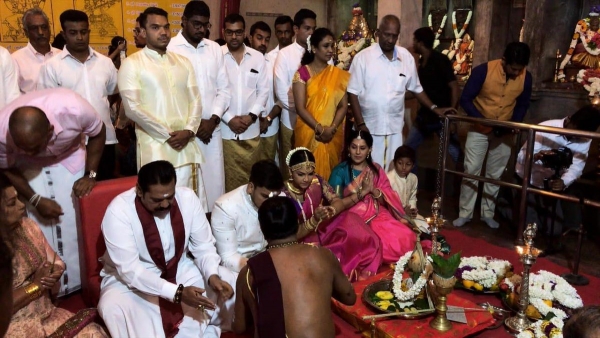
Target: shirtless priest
(294,282)
(151,287)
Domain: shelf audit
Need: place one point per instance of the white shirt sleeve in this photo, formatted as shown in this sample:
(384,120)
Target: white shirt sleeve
(414,184)
(413,84)
(47,77)
(10,77)
(223,228)
(124,253)
(223,98)
(262,89)
(356,82)
(195,105)
(580,155)
(202,242)
(282,81)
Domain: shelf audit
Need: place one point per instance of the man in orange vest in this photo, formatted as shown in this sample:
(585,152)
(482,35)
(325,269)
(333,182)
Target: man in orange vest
(498,90)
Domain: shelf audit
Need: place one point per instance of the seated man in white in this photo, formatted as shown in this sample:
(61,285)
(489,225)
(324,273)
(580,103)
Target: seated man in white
(235,219)
(151,287)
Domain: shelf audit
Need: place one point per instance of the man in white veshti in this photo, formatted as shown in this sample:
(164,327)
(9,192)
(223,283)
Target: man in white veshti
(235,219)
(151,287)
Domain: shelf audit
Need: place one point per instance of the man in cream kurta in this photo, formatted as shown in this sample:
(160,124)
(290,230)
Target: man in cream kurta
(161,96)
(133,288)
(235,219)
(211,76)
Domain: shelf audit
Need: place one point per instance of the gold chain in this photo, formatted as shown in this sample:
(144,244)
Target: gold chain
(282,245)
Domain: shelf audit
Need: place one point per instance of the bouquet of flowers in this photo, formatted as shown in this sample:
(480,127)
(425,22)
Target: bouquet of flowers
(551,328)
(548,294)
(482,273)
(594,42)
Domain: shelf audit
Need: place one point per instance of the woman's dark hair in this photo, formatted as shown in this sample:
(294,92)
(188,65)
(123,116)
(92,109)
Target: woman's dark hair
(584,323)
(114,43)
(405,151)
(300,156)
(4,182)
(266,174)
(59,41)
(315,39)
(278,218)
(157,172)
(364,135)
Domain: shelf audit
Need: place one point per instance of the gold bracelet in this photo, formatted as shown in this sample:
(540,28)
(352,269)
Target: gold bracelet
(322,129)
(33,291)
(334,210)
(380,193)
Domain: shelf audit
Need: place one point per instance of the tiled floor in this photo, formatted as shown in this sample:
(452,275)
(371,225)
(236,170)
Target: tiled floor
(504,236)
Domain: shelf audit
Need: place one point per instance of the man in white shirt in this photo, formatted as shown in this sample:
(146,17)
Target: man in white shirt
(234,221)
(260,35)
(10,85)
(30,58)
(211,76)
(380,77)
(138,39)
(248,78)
(286,64)
(585,119)
(88,73)
(161,96)
(151,286)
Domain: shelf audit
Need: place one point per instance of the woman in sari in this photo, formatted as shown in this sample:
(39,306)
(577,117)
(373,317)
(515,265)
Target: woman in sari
(377,204)
(321,103)
(323,221)
(36,271)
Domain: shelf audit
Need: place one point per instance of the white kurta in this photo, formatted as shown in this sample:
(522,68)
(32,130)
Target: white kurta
(270,58)
(10,85)
(235,226)
(405,187)
(131,281)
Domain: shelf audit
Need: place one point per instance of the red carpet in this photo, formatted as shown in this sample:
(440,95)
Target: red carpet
(470,247)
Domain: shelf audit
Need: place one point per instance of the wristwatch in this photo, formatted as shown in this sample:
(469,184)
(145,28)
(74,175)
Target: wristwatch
(91,174)
(433,107)
(216,119)
(269,119)
(253,116)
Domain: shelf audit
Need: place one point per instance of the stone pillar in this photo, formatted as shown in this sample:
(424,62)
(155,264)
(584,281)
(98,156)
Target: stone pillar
(482,28)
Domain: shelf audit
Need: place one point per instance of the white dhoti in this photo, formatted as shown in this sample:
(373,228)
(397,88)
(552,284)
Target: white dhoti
(384,147)
(120,305)
(56,183)
(214,171)
(190,176)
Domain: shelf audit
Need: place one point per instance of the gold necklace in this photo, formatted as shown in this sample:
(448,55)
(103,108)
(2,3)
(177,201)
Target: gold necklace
(282,245)
(292,189)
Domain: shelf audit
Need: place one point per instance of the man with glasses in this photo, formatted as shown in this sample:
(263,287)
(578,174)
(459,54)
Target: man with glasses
(30,58)
(207,59)
(498,90)
(248,80)
(140,42)
(161,96)
(380,77)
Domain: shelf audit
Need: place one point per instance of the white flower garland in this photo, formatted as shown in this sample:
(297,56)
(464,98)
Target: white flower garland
(458,34)
(439,31)
(486,270)
(289,156)
(309,48)
(536,331)
(345,52)
(578,34)
(407,297)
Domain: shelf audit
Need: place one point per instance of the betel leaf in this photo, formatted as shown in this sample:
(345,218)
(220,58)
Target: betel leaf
(445,267)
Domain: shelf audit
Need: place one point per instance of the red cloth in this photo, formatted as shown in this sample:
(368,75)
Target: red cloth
(401,328)
(170,313)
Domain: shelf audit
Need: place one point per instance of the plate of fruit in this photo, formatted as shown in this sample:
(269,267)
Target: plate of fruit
(380,297)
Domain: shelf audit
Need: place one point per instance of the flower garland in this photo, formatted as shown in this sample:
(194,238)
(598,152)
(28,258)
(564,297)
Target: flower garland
(590,79)
(544,329)
(440,29)
(483,270)
(586,35)
(347,50)
(407,297)
(544,285)
(458,34)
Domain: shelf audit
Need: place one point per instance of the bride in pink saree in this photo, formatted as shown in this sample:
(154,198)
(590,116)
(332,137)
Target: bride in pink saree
(324,222)
(377,205)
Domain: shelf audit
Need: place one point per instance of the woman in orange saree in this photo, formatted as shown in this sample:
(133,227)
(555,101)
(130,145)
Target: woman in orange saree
(321,102)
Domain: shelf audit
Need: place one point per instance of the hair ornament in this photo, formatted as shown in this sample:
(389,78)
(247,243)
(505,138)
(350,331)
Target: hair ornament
(359,137)
(309,49)
(307,164)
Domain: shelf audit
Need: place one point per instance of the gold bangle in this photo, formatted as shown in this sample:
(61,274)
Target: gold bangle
(33,291)
(322,129)
(380,193)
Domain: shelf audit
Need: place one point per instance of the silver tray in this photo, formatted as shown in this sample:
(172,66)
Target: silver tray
(386,285)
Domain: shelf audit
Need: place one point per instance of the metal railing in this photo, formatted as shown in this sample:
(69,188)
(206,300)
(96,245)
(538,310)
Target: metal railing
(527,164)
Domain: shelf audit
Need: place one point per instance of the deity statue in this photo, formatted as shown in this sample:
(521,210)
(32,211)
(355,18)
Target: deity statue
(463,57)
(357,37)
(460,51)
(584,51)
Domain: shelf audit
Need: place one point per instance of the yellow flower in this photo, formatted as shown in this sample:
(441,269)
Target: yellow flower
(385,295)
(583,25)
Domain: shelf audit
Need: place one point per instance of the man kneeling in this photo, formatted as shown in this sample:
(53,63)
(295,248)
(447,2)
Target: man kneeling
(151,287)
(294,282)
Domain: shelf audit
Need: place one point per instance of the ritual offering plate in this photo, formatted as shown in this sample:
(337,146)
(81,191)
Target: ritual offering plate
(482,274)
(380,297)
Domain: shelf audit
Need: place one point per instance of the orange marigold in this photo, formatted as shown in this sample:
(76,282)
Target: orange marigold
(575,36)
(583,25)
